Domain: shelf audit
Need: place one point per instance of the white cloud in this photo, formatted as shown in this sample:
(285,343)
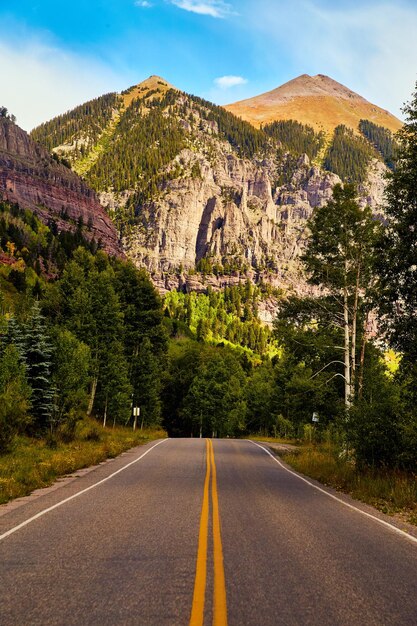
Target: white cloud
(40,81)
(144,4)
(213,8)
(226,82)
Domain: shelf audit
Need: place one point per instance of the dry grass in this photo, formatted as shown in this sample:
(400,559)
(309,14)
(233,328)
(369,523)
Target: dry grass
(274,439)
(390,491)
(320,112)
(32,464)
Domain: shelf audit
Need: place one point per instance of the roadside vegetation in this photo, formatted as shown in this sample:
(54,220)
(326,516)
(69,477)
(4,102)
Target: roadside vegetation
(392,491)
(84,337)
(34,463)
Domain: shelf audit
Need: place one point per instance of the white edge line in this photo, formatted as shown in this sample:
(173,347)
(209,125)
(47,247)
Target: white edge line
(330,495)
(75,495)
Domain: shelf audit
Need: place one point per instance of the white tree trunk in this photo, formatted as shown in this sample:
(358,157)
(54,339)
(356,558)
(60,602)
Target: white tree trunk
(105,414)
(354,327)
(92,395)
(347,349)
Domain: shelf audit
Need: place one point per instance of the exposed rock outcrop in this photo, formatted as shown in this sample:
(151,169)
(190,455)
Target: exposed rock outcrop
(236,217)
(30,177)
(200,197)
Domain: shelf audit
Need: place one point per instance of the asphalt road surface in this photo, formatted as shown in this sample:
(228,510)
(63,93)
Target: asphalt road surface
(200,532)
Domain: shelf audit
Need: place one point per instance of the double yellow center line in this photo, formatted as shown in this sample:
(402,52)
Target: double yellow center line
(219,596)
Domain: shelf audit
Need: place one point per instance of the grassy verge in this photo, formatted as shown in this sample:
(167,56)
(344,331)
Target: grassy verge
(390,491)
(31,464)
(274,439)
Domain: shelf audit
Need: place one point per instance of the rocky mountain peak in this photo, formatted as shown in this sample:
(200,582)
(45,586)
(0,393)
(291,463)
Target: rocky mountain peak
(202,198)
(152,84)
(318,101)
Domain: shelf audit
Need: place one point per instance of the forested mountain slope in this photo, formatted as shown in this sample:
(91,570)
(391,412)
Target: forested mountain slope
(201,197)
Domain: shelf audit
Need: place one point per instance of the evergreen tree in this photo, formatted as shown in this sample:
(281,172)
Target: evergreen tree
(382,139)
(349,156)
(397,264)
(114,391)
(38,352)
(296,137)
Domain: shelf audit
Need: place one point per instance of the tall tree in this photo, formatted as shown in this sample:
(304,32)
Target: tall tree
(398,249)
(38,352)
(215,400)
(339,258)
(90,309)
(70,367)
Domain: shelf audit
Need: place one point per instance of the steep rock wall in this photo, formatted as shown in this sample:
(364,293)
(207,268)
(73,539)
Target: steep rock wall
(32,179)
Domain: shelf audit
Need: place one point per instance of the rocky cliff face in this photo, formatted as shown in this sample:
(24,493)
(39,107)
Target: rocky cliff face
(238,219)
(202,198)
(32,179)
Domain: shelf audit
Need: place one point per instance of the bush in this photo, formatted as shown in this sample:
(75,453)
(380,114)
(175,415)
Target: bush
(284,427)
(375,431)
(14,396)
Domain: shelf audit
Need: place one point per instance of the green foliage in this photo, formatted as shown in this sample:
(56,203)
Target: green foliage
(382,139)
(260,394)
(82,126)
(244,138)
(144,142)
(146,375)
(33,245)
(295,137)
(374,423)
(142,309)
(339,257)
(38,350)
(4,113)
(204,391)
(348,156)
(397,256)
(214,402)
(70,378)
(85,339)
(14,395)
(230,314)
(341,241)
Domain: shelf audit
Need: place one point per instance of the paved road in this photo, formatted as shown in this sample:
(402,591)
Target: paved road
(199,531)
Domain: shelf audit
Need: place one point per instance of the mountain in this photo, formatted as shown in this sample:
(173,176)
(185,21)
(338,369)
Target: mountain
(33,179)
(202,198)
(317,101)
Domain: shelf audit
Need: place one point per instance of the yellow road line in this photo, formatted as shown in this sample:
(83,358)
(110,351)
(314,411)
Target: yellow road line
(219,592)
(197,611)
(220,606)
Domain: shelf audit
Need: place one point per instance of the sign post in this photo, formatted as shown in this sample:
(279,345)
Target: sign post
(136,413)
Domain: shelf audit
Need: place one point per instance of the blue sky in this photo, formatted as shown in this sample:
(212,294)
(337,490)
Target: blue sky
(55,54)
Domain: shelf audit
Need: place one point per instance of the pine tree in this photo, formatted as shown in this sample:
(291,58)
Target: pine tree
(398,250)
(38,360)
